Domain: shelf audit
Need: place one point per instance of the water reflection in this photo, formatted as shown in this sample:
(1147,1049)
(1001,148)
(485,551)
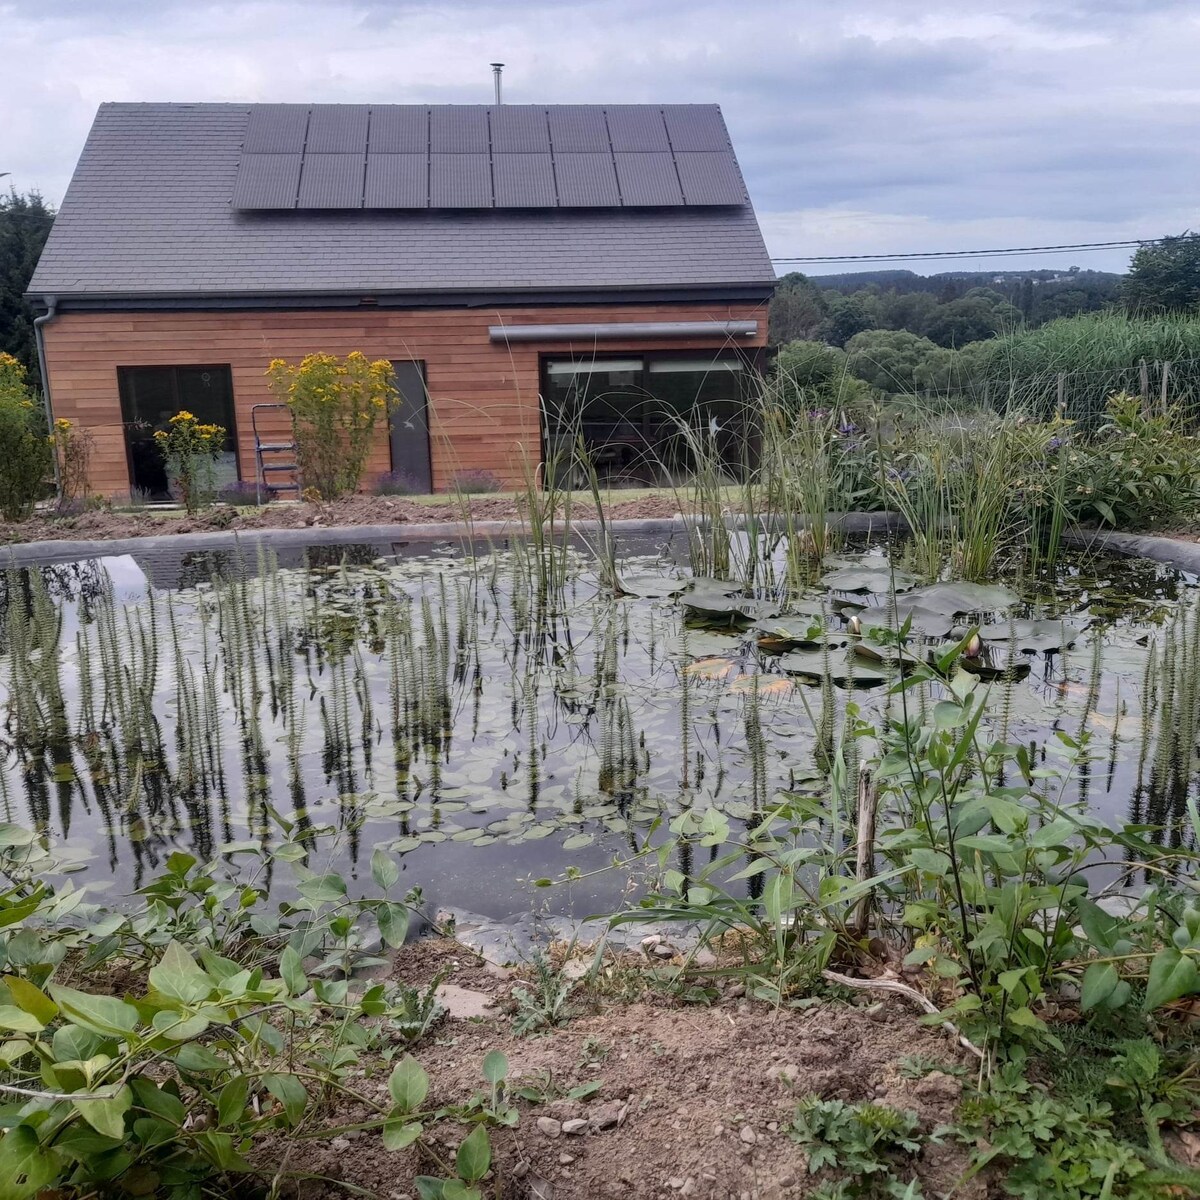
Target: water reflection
(448,706)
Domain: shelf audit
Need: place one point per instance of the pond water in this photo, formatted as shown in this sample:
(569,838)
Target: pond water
(431,702)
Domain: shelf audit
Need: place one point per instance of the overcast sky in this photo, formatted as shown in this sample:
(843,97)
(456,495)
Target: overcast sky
(860,130)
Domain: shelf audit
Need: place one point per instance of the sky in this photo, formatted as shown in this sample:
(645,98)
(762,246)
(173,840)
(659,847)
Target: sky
(863,127)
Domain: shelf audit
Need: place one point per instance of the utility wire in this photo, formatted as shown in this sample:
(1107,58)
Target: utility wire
(1127,244)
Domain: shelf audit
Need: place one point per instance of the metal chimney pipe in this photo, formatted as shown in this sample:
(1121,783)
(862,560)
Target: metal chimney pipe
(496,69)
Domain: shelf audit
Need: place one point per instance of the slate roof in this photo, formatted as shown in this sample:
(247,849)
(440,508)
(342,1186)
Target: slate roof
(149,213)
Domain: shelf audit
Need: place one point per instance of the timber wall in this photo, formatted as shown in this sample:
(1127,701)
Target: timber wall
(483,396)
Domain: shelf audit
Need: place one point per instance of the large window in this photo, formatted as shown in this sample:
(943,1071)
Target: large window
(639,416)
(151,396)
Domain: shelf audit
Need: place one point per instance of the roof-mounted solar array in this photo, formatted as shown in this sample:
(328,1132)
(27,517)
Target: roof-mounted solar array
(400,156)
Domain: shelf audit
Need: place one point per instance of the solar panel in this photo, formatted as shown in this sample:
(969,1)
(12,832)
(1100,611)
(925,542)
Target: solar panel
(347,156)
(460,181)
(458,129)
(578,128)
(399,129)
(397,181)
(338,129)
(331,181)
(710,177)
(524,180)
(586,181)
(519,129)
(276,129)
(648,179)
(636,127)
(695,127)
(267,181)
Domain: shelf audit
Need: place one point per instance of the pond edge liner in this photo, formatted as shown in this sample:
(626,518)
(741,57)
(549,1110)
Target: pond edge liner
(1173,551)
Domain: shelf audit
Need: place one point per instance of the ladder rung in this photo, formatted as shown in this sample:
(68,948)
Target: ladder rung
(275,446)
(283,487)
(278,467)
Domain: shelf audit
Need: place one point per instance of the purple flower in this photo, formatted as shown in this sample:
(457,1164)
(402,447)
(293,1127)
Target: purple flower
(1053,444)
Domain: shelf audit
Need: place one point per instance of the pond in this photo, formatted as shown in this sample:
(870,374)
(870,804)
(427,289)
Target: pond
(439,703)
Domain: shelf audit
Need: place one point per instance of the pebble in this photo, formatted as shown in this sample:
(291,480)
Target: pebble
(339,1143)
(773,1126)
(549,1126)
(566,1159)
(664,950)
(676,1182)
(574,1126)
(786,1073)
(612,1112)
(520,1170)
(747,1135)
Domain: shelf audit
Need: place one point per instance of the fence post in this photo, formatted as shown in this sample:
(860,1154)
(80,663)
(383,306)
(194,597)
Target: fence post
(1061,402)
(1166,374)
(1144,373)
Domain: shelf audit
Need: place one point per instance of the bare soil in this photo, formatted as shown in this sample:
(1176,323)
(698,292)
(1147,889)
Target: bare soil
(694,1100)
(105,524)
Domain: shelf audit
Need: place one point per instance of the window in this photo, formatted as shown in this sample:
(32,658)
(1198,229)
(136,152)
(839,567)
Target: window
(633,413)
(151,396)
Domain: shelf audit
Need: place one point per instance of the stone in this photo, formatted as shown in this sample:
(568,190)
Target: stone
(608,1114)
(704,957)
(783,1073)
(576,1125)
(748,1135)
(549,1126)
(520,1170)
(664,950)
(464,1003)
(566,1159)
(339,1143)
(676,1182)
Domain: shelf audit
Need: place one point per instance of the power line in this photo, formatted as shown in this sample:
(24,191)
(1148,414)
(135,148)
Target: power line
(1002,251)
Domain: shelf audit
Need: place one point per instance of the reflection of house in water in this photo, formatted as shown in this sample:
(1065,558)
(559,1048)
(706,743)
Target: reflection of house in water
(167,567)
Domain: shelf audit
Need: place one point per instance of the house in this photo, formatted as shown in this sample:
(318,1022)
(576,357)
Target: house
(514,262)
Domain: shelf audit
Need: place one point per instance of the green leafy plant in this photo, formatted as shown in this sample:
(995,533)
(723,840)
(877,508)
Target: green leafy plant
(545,1002)
(190,450)
(872,1144)
(336,404)
(28,457)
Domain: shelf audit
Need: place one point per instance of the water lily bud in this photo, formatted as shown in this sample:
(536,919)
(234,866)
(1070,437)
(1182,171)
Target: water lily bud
(854,625)
(974,647)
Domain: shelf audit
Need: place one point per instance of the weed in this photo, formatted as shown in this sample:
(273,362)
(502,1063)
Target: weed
(872,1144)
(544,1004)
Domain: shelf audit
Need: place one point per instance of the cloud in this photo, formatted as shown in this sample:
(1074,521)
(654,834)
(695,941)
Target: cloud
(860,127)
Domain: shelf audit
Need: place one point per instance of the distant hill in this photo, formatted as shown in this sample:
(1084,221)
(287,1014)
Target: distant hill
(909,281)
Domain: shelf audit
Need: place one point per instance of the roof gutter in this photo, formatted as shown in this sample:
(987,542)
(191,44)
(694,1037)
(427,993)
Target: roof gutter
(39,324)
(624,330)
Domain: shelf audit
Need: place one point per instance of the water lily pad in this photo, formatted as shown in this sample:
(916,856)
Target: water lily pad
(705,643)
(732,607)
(879,580)
(783,632)
(841,666)
(653,587)
(925,622)
(1033,636)
(956,598)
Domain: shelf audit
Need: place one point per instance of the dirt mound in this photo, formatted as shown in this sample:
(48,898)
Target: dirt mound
(691,1100)
(354,510)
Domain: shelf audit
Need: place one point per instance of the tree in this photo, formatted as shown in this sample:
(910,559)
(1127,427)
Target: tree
(890,359)
(979,314)
(818,375)
(797,310)
(1164,276)
(847,316)
(25,222)
(903,310)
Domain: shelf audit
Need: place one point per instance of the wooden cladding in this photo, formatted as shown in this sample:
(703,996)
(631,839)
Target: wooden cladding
(483,396)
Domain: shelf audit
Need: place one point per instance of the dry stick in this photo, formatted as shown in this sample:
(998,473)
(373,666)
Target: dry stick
(894,985)
(864,864)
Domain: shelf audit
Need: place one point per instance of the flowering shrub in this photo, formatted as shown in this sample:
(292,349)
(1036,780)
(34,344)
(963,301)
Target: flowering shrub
(27,457)
(190,451)
(396,483)
(335,403)
(472,483)
(73,451)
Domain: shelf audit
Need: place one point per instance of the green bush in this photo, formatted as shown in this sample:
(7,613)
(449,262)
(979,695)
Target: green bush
(28,456)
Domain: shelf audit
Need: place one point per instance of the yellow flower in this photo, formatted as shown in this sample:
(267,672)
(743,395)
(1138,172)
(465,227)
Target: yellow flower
(62,424)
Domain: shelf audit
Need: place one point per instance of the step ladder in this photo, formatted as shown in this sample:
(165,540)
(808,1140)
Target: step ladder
(265,455)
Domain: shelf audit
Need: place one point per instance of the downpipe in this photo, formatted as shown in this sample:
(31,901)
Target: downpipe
(39,324)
